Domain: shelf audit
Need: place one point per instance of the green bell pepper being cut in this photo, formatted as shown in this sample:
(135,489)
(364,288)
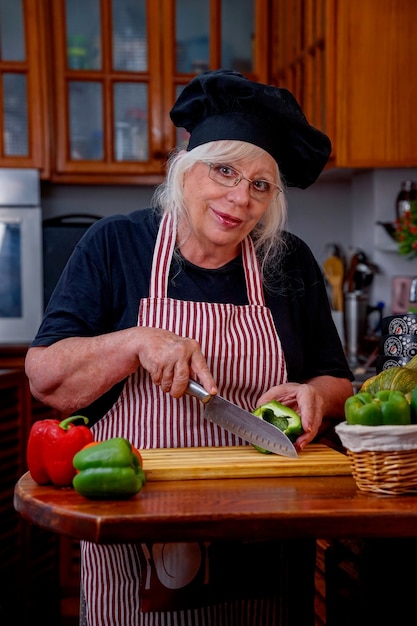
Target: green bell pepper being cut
(282,417)
(110,469)
(386,407)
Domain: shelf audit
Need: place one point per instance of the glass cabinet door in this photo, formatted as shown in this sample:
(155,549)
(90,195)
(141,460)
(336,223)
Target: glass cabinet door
(14,85)
(130,122)
(238,23)
(129,54)
(107,74)
(21,126)
(211,35)
(15,134)
(85,100)
(192,36)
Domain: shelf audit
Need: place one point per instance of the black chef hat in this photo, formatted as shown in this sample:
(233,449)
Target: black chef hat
(223,104)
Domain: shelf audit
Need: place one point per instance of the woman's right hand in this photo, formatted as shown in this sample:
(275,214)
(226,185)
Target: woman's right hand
(72,373)
(172,360)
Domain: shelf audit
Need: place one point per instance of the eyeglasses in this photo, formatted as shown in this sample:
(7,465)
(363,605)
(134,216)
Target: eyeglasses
(229,177)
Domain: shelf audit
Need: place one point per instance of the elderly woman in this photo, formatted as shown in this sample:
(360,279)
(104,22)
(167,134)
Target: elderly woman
(207,284)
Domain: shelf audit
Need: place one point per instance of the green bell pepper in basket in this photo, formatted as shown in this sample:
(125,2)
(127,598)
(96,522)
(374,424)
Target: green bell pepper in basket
(109,469)
(386,407)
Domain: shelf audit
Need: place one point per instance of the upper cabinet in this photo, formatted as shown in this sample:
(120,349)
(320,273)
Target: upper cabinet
(118,66)
(86,86)
(352,66)
(24,133)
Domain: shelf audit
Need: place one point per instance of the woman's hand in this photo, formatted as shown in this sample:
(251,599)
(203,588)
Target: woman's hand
(72,373)
(319,397)
(172,360)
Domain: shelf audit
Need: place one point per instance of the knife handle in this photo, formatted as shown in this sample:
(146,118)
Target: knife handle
(198,391)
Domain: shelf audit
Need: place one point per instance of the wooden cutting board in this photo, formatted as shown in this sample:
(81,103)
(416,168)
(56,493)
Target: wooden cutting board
(240,462)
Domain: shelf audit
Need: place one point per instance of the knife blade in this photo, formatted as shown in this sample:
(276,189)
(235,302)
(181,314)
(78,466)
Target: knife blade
(242,423)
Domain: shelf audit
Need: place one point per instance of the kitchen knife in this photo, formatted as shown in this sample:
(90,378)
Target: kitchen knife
(242,423)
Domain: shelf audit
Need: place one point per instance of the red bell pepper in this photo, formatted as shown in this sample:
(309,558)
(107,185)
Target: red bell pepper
(52,446)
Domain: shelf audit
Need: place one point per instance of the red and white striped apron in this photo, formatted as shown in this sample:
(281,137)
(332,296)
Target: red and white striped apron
(244,354)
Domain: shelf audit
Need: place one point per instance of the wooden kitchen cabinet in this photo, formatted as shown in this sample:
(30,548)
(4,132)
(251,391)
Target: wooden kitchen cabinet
(86,86)
(352,67)
(24,132)
(119,66)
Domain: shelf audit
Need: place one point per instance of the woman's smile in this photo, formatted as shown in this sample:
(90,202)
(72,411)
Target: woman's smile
(226,219)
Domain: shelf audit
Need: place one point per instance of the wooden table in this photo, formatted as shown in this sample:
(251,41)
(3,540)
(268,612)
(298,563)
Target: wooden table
(241,508)
(324,505)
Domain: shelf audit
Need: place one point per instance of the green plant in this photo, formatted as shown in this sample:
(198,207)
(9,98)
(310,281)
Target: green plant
(405,233)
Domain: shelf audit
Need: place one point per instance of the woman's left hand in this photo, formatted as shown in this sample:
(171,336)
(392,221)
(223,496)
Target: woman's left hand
(318,397)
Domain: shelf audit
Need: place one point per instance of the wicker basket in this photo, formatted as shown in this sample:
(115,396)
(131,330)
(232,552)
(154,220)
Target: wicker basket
(383,458)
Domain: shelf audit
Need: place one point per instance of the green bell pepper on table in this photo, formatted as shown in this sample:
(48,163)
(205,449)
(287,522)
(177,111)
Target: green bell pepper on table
(386,407)
(109,469)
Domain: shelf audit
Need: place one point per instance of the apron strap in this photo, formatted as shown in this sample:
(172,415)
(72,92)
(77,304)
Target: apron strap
(252,273)
(164,248)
